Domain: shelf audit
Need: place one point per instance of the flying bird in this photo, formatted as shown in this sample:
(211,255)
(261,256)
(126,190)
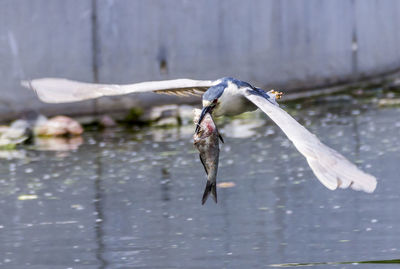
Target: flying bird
(225,96)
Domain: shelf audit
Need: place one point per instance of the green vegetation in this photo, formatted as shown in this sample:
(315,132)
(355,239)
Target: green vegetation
(134,116)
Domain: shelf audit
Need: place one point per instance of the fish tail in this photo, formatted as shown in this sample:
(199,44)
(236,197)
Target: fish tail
(211,187)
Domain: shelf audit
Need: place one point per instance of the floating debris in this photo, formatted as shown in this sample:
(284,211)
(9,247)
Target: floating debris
(25,197)
(386,102)
(226,184)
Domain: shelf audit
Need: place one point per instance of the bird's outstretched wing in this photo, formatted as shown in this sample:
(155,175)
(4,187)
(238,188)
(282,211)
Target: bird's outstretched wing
(59,90)
(330,167)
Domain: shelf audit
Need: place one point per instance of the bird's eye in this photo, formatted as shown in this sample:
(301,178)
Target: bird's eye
(215,101)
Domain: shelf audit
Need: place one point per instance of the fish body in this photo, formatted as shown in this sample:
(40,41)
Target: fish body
(206,140)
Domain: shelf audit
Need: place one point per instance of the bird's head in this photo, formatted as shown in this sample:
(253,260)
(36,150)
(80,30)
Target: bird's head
(210,100)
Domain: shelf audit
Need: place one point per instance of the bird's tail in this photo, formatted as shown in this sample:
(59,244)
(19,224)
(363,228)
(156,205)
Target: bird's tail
(211,187)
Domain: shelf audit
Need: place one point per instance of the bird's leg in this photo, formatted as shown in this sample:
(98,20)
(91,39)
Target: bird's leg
(278,95)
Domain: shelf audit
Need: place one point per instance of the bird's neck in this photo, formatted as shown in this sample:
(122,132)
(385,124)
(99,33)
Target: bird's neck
(232,102)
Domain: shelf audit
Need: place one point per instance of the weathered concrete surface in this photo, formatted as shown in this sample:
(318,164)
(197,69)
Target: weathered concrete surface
(288,44)
(42,38)
(295,44)
(378,35)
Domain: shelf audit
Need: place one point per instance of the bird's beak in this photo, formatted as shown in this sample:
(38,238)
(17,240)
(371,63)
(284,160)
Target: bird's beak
(206,109)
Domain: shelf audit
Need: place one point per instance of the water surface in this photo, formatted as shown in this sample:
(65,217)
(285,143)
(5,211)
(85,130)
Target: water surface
(128,198)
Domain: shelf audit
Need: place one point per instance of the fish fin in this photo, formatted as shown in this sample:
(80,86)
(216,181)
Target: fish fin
(204,165)
(220,137)
(210,188)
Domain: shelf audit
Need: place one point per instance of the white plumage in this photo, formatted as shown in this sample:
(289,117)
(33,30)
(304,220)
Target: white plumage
(59,90)
(331,168)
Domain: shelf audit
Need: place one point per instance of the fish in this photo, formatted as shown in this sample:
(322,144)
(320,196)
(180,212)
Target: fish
(206,141)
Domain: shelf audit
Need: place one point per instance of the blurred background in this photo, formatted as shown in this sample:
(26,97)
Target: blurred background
(284,44)
(125,192)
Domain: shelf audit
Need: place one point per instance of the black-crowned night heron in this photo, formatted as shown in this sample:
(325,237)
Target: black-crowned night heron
(226,96)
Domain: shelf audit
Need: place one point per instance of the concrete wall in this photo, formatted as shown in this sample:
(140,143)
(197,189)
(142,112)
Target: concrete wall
(290,44)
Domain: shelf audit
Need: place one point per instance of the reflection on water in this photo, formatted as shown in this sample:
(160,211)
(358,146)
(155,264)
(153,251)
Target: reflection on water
(58,143)
(313,264)
(127,199)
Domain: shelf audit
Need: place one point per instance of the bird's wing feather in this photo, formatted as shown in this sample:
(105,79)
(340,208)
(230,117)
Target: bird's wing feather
(330,167)
(59,90)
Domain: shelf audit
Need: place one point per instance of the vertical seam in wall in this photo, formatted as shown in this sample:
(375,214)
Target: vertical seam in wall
(98,202)
(95,48)
(354,43)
